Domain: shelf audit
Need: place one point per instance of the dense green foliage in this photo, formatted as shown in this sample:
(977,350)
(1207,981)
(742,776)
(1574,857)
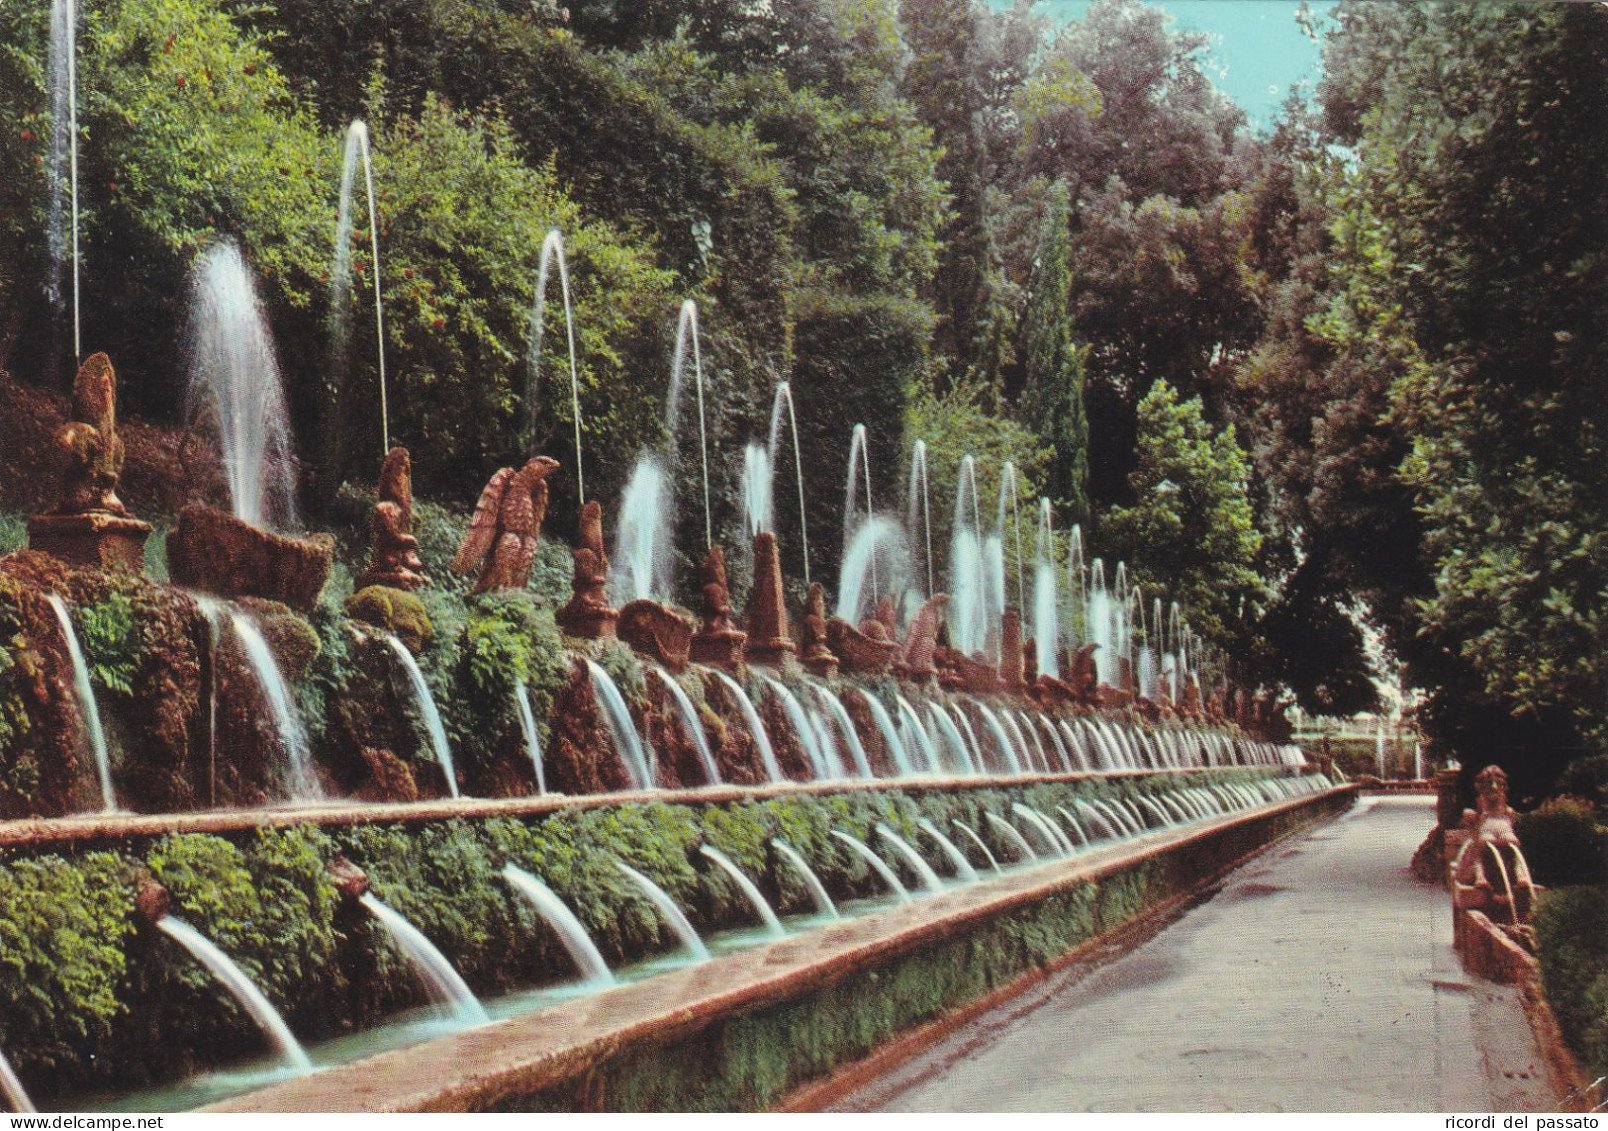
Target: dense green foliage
(1572,927)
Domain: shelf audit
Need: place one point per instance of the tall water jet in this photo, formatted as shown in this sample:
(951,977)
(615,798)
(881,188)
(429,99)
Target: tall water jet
(1046,630)
(88,710)
(957,858)
(666,906)
(440,979)
(641,565)
(756,491)
(553,252)
(1010,492)
(571,935)
(876,538)
(16,1096)
(427,710)
(687,334)
(240,987)
(1077,584)
(533,741)
(877,864)
(301,780)
(859,466)
(1099,622)
(968,631)
(340,273)
(746,885)
(627,743)
(690,724)
(756,727)
(812,882)
(63,77)
(923,870)
(234,383)
(784,393)
(918,504)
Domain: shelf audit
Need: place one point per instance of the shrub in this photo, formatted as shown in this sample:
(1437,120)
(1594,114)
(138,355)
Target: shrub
(1563,843)
(1571,925)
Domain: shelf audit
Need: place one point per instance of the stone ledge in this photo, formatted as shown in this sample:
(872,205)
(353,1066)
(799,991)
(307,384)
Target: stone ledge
(500,1064)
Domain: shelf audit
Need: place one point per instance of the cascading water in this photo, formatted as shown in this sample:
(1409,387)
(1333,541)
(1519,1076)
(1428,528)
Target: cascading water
(923,740)
(756,727)
(673,915)
(918,505)
(923,870)
(301,780)
(801,726)
(1024,851)
(1054,838)
(533,741)
(784,393)
(571,935)
(840,714)
(63,78)
(553,252)
(859,471)
(756,491)
(691,725)
(641,566)
(982,845)
(1002,740)
(340,269)
(240,987)
(945,726)
(16,1096)
(877,864)
(1046,629)
(746,885)
(88,709)
(427,710)
(627,743)
(957,858)
(979,766)
(1075,825)
(234,384)
(823,902)
(440,979)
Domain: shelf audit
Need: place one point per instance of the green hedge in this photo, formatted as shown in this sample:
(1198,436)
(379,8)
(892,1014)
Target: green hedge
(1571,925)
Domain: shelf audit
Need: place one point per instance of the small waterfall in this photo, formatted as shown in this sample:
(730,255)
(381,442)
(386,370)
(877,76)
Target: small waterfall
(527,725)
(784,393)
(234,381)
(823,902)
(340,272)
(1018,739)
(979,842)
(831,755)
(756,728)
(929,753)
(1077,825)
(1007,830)
(427,710)
(571,935)
(945,726)
(1074,745)
(979,766)
(1055,741)
(766,915)
(11,1089)
(627,743)
(553,252)
(301,778)
(963,868)
(673,915)
(801,726)
(918,502)
(876,539)
(1112,831)
(88,710)
(1055,842)
(442,981)
(878,865)
(1001,739)
(642,559)
(690,724)
(758,513)
(840,713)
(929,878)
(240,988)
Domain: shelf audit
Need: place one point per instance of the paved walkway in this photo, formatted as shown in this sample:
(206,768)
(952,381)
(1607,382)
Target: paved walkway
(1321,978)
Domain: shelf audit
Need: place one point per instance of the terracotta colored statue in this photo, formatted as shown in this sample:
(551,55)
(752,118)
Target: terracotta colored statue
(502,537)
(1013,658)
(1085,674)
(718,641)
(91,526)
(1489,873)
(916,662)
(588,614)
(394,551)
(768,639)
(818,656)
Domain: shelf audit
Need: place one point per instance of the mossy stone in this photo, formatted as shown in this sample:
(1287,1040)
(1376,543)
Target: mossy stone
(394,610)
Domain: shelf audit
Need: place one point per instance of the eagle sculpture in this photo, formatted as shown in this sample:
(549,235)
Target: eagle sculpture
(502,538)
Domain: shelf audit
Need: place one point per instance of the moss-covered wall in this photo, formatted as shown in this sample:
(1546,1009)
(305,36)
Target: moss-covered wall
(86,991)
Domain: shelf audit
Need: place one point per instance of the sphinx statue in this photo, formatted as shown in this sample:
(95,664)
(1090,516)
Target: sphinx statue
(718,641)
(1488,873)
(819,658)
(588,614)
(768,639)
(393,550)
(503,535)
(90,525)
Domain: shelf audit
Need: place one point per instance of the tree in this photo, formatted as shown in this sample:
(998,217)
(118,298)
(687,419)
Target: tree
(1189,535)
(1052,397)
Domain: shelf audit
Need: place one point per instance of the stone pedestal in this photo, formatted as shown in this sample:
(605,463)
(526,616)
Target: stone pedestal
(103,541)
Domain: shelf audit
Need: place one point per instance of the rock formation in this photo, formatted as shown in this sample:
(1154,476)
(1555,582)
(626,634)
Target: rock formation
(502,538)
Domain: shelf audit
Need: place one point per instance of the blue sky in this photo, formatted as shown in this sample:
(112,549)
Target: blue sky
(1257,54)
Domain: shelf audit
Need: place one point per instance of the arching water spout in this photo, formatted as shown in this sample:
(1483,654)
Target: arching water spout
(859,470)
(801,726)
(746,885)
(875,539)
(756,728)
(571,935)
(16,1096)
(981,844)
(877,864)
(840,714)
(533,741)
(673,915)
(440,979)
(929,878)
(962,866)
(240,987)
(918,507)
(687,334)
(553,252)
(301,780)
(427,710)
(817,890)
(627,743)
(340,274)
(890,736)
(690,724)
(1017,841)
(784,392)
(88,710)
